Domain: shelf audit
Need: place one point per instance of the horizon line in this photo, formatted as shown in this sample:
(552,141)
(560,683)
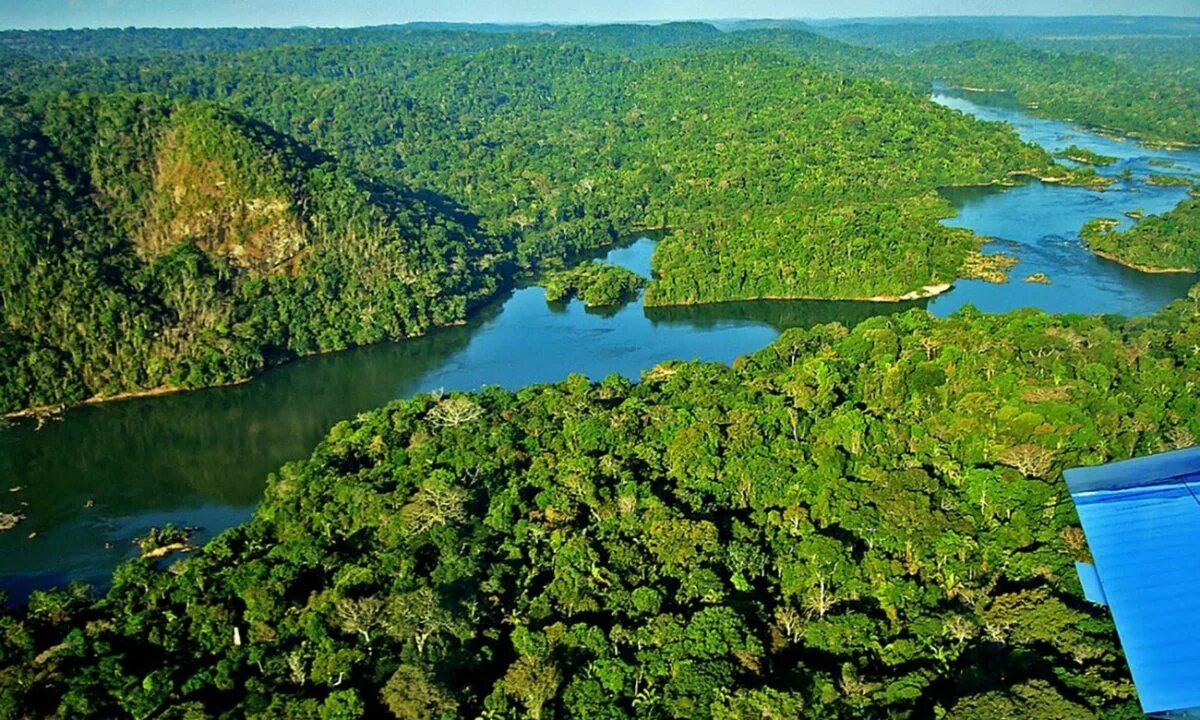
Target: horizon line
(602,23)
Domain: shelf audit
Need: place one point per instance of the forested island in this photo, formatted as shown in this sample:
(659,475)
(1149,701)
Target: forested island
(1085,156)
(1157,243)
(596,284)
(856,521)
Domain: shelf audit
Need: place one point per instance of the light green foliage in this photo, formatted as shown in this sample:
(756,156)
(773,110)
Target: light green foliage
(409,695)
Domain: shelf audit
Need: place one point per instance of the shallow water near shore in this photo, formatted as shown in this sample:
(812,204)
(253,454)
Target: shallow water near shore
(106,473)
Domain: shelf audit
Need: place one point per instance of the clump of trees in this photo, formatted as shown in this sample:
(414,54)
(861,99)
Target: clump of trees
(865,523)
(1086,156)
(597,284)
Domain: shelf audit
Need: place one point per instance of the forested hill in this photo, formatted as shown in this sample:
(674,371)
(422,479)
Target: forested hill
(859,524)
(566,147)
(146,244)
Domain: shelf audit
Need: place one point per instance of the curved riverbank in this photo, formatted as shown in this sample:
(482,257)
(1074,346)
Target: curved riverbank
(1139,267)
(923,293)
(56,409)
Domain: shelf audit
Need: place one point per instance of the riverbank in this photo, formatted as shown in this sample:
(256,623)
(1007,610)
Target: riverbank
(925,292)
(1139,267)
(53,410)
(56,409)
(1097,182)
(1113,133)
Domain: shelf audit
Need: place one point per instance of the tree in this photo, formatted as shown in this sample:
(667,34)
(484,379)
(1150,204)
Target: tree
(418,615)
(435,503)
(454,411)
(533,681)
(410,695)
(1030,459)
(360,615)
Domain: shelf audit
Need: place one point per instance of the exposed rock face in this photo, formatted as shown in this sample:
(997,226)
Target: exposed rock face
(213,185)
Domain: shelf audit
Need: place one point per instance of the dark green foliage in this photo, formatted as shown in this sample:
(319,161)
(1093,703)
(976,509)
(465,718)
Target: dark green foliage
(865,523)
(1167,241)
(597,284)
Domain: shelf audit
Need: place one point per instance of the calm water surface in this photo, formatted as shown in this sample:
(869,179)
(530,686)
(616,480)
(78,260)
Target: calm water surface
(107,473)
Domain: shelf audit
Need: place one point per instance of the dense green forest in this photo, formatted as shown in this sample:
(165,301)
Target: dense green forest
(1090,88)
(857,523)
(1134,75)
(144,244)
(865,523)
(1156,242)
(1129,75)
(476,159)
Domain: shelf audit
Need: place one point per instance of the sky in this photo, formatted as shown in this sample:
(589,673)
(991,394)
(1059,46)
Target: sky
(28,14)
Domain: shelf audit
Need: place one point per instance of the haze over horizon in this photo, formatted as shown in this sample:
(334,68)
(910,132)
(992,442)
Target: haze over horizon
(60,14)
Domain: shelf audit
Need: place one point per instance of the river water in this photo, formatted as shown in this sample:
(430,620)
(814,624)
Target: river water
(106,473)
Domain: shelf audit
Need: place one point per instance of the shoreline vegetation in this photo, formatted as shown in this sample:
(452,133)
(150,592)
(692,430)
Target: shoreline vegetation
(1166,243)
(923,293)
(1152,269)
(57,410)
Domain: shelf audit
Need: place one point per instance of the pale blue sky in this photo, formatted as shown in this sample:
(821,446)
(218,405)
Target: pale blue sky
(208,13)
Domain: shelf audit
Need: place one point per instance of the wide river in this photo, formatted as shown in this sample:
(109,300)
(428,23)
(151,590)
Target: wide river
(106,473)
